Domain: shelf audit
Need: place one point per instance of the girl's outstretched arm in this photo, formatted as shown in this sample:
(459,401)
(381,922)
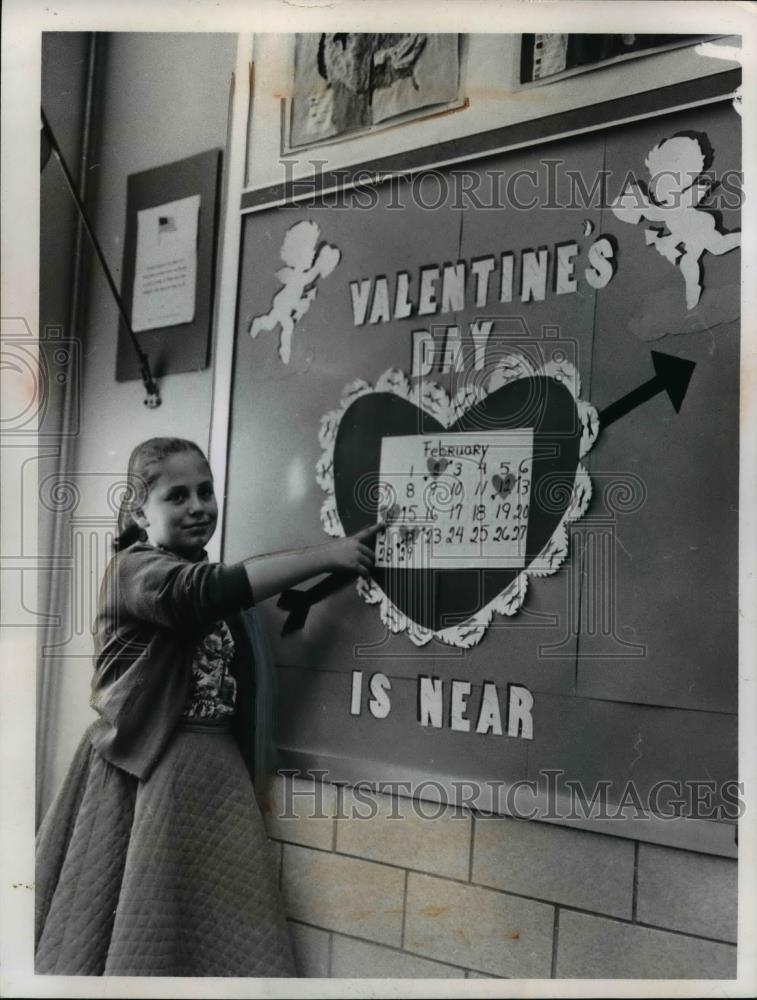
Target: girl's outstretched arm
(270,574)
(157,586)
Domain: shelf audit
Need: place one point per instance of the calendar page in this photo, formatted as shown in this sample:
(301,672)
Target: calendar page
(455,500)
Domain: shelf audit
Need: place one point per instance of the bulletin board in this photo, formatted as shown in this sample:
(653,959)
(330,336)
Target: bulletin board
(627,645)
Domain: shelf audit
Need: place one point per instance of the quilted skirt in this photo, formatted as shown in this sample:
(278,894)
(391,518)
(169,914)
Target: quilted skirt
(173,876)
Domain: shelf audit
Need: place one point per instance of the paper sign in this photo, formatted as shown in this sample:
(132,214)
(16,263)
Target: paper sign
(165,273)
(455,500)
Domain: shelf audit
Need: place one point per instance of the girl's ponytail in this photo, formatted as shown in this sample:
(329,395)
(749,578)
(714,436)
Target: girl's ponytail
(129,531)
(134,495)
(143,470)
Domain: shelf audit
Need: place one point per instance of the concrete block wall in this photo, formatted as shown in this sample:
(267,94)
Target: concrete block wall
(378,886)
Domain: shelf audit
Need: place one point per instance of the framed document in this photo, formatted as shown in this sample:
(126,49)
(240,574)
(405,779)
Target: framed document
(168,265)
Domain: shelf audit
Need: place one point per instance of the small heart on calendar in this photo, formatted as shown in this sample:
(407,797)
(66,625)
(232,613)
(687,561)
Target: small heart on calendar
(390,513)
(436,466)
(437,598)
(408,534)
(503,485)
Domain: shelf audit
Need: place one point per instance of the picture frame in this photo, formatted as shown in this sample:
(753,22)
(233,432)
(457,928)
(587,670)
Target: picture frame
(549,58)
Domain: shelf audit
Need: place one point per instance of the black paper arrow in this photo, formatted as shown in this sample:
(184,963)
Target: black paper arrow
(672,375)
(299,602)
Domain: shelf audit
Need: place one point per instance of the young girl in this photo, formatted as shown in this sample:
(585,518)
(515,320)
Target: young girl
(153,859)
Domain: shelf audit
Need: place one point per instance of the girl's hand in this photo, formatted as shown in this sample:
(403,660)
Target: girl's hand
(354,554)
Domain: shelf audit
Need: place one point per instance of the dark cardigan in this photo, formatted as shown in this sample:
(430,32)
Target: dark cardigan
(154,606)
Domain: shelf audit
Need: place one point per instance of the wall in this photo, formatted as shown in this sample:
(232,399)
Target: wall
(373,889)
(164,97)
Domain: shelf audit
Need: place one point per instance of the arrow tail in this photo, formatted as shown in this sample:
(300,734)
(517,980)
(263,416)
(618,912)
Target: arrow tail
(629,402)
(299,602)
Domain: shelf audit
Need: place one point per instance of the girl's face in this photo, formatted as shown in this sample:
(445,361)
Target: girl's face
(181,512)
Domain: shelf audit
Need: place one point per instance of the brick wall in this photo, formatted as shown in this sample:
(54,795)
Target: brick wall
(374,888)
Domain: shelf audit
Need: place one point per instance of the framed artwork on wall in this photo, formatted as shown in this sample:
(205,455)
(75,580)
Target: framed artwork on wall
(546,58)
(350,83)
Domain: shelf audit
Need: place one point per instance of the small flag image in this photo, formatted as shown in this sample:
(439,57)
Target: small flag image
(166,224)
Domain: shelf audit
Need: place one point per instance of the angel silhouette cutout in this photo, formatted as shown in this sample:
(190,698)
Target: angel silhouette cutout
(306,262)
(684,231)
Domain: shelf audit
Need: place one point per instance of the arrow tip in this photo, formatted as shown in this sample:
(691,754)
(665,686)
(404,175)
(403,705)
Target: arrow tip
(674,374)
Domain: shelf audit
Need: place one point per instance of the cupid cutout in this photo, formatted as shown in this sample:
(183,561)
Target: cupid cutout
(675,191)
(306,262)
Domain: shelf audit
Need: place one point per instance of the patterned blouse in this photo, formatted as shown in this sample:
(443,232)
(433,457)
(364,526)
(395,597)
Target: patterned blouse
(213,690)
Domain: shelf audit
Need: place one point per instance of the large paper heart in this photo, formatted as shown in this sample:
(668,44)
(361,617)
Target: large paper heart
(439,601)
